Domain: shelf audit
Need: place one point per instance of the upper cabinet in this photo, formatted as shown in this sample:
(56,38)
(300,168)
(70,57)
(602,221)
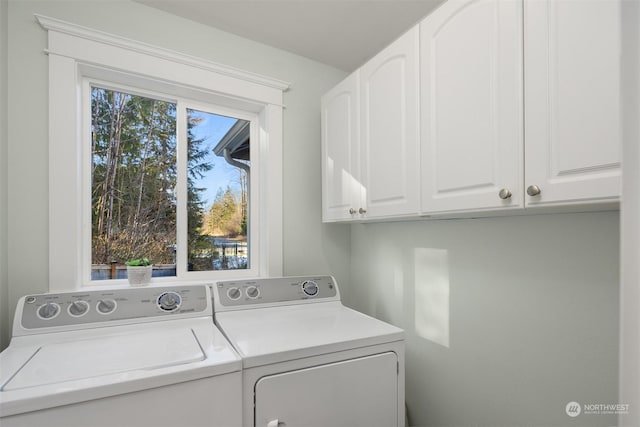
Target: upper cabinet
(572,100)
(370,138)
(341,194)
(472,110)
(485,105)
(389,109)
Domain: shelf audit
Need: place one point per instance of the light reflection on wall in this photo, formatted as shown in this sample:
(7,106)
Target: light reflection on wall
(398,284)
(432,294)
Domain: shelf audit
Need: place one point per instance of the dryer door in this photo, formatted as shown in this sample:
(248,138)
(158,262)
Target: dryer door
(356,392)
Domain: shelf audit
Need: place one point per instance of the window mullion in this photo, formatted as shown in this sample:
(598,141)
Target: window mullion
(181,190)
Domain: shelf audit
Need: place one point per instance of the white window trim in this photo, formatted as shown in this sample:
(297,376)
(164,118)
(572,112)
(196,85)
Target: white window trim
(77,52)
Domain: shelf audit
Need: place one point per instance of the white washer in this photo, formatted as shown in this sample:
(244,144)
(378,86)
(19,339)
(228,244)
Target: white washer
(130,357)
(307,359)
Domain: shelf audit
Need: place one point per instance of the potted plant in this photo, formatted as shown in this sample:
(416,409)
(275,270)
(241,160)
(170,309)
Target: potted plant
(139,271)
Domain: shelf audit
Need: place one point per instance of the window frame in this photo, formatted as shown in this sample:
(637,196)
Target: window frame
(77,56)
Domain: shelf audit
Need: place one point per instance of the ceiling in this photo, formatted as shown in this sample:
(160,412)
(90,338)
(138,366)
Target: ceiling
(340,33)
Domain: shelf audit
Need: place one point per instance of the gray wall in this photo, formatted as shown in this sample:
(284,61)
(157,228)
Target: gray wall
(630,218)
(308,245)
(4,290)
(507,319)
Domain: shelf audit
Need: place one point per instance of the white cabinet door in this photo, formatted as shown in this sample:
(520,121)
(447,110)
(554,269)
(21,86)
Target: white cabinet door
(572,100)
(389,138)
(360,392)
(340,155)
(471,118)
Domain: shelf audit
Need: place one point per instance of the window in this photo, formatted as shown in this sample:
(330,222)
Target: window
(167,155)
(135,169)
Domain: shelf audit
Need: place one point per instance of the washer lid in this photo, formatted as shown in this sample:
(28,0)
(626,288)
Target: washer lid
(108,354)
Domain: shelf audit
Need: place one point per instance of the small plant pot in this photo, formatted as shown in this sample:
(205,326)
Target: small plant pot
(139,276)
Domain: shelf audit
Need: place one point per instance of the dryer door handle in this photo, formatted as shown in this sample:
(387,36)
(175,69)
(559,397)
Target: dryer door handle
(275,423)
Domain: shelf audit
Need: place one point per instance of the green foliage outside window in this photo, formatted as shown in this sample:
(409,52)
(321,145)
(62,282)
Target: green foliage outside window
(134,177)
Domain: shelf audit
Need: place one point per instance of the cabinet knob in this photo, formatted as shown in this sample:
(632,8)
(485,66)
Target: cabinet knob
(504,194)
(362,211)
(533,190)
(352,211)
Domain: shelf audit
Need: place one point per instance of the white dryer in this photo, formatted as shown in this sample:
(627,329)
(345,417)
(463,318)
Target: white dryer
(129,357)
(309,361)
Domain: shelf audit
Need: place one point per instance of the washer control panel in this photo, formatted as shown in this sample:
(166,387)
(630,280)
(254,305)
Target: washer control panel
(235,293)
(81,308)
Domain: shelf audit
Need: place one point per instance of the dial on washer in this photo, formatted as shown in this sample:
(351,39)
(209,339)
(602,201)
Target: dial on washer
(48,310)
(78,308)
(106,306)
(169,301)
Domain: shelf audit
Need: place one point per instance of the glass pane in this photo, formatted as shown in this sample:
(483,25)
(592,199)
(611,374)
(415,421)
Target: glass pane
(132,183)
(218,188)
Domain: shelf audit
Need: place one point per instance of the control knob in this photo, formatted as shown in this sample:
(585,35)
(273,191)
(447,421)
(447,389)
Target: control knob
(253,292)
(310,287)
(48,310)
(234,293)
(78,308)
(106,306)
(169,301)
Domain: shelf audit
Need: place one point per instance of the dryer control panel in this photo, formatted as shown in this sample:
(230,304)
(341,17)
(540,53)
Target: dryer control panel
(238,294)
(69,310)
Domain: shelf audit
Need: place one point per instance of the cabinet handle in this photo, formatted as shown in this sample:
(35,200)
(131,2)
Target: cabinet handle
(504,194)
(533,190)
(362,211)
(275,423)
(352,211)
